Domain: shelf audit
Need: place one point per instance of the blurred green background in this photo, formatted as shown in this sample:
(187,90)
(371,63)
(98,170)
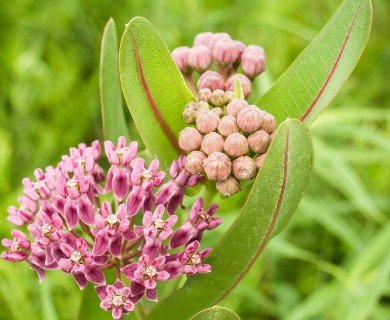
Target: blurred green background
(333,262)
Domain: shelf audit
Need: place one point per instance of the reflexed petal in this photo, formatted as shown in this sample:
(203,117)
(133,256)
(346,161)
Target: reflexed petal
(151,294)
(136,288)
(120,184)
(80,280)
(101,292)
(85,210)
(101,243)
(115,247)
(95,275)
(71,215)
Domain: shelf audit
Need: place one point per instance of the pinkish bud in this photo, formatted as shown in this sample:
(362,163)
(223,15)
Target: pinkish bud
(235,106)
(219,36)
(217,111)
(180,56)
(225,52)
(240,48)
(203,105)
(250,119)
(259,141)
(228,187)
(190,139)
(217,166)
(236,145)
(269,122)
(218,98)
(244,168)
(192,105)
(199,58)
(253,61)
(204,38)
(204,95)
(194,162)
(246,84)
(212,142)
(259,160)
(252,48)
(206,121)
(189,115)
(227,126)
(229,96)
(210,80)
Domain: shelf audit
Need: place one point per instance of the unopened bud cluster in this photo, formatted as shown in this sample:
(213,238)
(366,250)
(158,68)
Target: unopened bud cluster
(231,57)
(229,140)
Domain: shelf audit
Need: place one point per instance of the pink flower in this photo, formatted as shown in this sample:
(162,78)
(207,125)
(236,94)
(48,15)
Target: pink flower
(23,214)
(120,158)
(116,298)
(39,189)
(77,204)
(19,247)
(143,181)
(155,230)
(82,264)
(172,193)
(192,260)
(109,230)
(146,273)
(82,157)
(46,229)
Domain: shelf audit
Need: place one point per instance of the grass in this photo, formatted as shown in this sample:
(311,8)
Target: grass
(332,262)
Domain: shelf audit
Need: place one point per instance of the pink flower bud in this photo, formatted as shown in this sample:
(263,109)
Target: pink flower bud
(229,96)
(236,145)
(190,139)
(228,187)
(225,52)
(192,105)
(244,168)
(259,141)
(246,84)
(204,38)
(212,142)
(259,160)
(218,98)
(250,119)
(217,111)
(203,105)
(210,80)
(235,106)
(217,166)
(240,48)
(194,162)
(253,61)
(189,115)
(180,56)
(219,36)
(199,58)
(269,122)
(204,95)
(207,121)
(227,126)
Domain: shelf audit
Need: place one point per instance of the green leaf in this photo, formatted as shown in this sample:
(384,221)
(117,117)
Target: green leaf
(154,89)
(216,313)
(90,306)
(114,123)
(272,200)
(319,72)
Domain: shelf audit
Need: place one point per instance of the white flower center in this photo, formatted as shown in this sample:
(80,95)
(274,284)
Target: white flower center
(72,183)
(47,229)
(112,220)
(159,224)
(195,259)
(147,175)
(15,246)
(149,272)
(77,257)
(117,300)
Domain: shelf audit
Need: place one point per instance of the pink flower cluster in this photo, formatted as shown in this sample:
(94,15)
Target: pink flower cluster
(131,232)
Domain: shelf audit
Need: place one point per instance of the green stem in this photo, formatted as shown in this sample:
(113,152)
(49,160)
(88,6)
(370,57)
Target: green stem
(209,194)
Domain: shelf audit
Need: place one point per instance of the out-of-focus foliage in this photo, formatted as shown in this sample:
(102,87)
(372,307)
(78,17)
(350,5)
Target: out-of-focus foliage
(333,261)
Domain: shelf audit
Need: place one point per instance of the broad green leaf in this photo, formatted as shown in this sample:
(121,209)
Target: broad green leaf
(114,124)
(154,89)
(316,76)
(216,313)
(273,198)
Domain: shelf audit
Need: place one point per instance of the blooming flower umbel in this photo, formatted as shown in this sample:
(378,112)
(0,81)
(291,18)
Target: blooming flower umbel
(72,229)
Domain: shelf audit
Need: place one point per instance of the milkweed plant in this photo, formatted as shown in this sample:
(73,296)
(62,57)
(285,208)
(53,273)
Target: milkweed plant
(114,210)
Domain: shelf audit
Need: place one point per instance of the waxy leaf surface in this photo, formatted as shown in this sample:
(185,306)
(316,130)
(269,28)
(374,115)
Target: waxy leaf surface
(274,196)
(316,76)
(154,89)
(216,313)
(114,123)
